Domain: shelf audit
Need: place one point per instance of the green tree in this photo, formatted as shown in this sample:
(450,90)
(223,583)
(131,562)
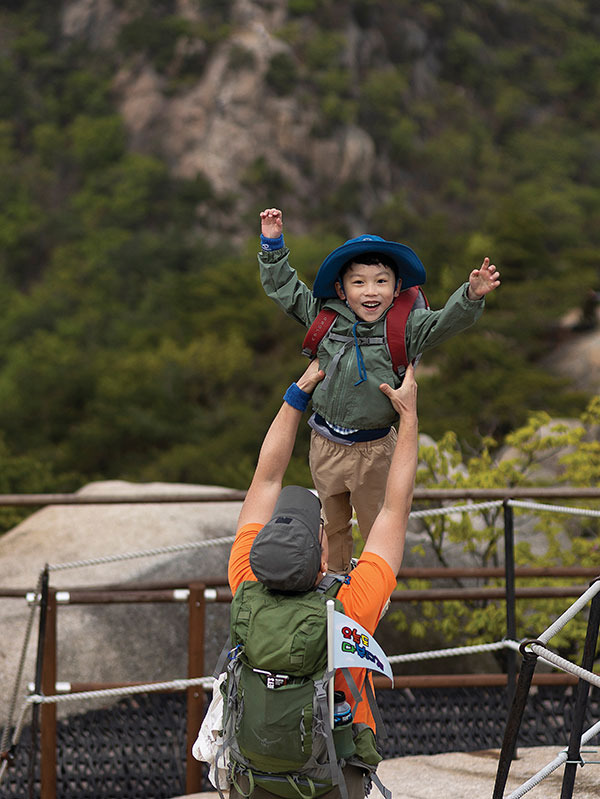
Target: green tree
(541,452)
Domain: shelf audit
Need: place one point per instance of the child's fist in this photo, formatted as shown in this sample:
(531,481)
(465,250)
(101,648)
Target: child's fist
(271,223)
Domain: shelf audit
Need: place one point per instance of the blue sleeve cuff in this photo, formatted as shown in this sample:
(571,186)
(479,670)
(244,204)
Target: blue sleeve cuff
(271,244)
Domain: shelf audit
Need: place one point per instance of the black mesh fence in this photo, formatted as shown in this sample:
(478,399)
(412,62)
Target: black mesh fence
(137,748)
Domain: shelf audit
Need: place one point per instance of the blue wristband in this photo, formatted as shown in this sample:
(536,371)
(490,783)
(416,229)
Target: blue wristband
(297,398)
(268,244)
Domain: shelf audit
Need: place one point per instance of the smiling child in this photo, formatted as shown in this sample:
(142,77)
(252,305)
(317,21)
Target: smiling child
(361,284)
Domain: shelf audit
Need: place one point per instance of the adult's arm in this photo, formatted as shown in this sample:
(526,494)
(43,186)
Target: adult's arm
(274,456)
(388,533)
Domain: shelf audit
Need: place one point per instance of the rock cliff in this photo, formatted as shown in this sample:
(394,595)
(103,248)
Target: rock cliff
(228,117)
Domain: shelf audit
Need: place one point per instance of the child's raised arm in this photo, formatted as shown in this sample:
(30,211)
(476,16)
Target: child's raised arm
(271,223)
(483,280)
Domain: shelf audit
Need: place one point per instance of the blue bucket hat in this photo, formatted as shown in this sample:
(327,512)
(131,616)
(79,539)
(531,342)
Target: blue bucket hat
(408,264)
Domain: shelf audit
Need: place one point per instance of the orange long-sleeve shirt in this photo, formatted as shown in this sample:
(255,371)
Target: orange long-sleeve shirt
(363,597)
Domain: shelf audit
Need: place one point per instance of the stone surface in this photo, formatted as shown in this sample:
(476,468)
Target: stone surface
(461,774)
(578,359)
(117,642)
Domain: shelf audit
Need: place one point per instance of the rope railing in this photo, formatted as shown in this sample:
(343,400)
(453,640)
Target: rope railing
(565,665)
(207,682)
(190,545)
(548,769)
(515,503)
(433,654)
(531,651)
(418,514)
(15,737)
(19,676)
(505,497)
(142,553)
(170,549)
(126,690)
(570,613)
(450,509)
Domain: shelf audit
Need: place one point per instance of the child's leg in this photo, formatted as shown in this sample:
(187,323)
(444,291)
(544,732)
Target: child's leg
(337,513)
(371,466)
(328,466)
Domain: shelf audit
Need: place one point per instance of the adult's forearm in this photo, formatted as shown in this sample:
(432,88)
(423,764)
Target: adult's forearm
(278,445)
(403,468)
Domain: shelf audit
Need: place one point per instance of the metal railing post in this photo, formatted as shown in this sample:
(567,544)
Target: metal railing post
(45,680)
(513,724)
(195,694)
(581,697)
(48,711)
(35,711)
(509,576)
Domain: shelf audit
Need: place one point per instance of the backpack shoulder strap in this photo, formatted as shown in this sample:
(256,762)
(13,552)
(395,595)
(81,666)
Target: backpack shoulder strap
(395,324)
(318,330)
(330,584)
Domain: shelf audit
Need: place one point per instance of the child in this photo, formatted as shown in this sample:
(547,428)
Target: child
(353,437)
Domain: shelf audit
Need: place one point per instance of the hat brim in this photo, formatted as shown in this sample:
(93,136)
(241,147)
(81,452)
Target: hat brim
(409,266)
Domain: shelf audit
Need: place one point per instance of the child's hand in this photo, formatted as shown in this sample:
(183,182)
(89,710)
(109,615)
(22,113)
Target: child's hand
(310,378)
(483,280)
(271,223)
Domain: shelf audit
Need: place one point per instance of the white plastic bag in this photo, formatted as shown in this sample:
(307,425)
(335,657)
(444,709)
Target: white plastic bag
(209,743)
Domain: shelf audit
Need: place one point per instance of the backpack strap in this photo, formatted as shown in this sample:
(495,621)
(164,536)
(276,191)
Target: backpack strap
(385,792)
(395,327)
(234,782)
(328,582)
(318,330)
(220,790)
(379,725)
(337,776)
(223,657)
(293,784)
(351,682)
(227,735)
(380,729)
(395,324)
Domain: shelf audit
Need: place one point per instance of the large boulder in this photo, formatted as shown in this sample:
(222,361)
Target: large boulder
(114,643)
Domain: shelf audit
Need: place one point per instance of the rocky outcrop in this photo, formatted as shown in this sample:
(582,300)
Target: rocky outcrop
(577,357)
(109,643)
(229,117)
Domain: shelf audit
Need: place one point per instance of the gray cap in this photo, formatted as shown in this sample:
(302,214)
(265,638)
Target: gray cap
(286,553)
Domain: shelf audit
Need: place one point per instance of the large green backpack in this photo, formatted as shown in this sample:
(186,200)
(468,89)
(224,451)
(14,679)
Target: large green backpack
(276,720)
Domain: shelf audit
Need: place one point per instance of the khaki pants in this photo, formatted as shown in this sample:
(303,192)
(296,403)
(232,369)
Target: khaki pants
(353,776)
(349,477)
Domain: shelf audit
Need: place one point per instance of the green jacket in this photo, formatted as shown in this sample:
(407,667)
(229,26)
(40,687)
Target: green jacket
(337,399)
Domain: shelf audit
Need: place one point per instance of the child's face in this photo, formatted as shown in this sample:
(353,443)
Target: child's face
(369,290)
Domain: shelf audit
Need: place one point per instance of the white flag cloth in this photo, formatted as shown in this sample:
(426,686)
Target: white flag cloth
(354,647)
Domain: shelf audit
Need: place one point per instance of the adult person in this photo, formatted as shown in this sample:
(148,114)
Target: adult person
(280,540)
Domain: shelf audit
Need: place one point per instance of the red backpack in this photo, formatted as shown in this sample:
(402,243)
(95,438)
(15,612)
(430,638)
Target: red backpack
(395,327)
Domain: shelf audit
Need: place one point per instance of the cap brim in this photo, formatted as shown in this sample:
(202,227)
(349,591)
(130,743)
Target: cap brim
(409,266)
